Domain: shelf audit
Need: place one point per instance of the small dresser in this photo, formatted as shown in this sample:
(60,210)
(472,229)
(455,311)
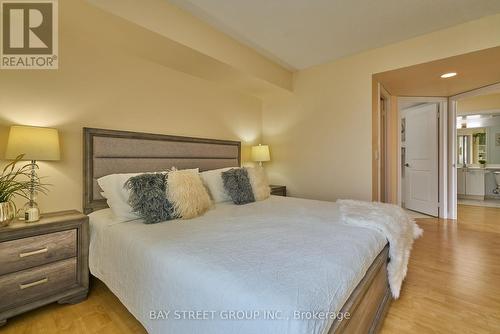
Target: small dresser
(43,262)
(278,190)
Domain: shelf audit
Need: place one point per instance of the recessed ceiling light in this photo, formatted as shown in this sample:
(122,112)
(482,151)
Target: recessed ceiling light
(448,75)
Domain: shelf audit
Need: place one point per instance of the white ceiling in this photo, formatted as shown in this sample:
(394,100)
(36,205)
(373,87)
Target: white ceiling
(302,33)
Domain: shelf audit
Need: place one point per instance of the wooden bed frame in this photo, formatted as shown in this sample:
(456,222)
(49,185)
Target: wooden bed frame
(109,152)
(369,302)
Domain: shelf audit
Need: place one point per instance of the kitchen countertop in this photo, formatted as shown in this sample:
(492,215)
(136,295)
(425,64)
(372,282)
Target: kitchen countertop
(481,168)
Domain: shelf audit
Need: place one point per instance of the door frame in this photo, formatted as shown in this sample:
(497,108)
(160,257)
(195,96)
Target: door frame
(443,154)
(452,140)
(388,166)
(383,155)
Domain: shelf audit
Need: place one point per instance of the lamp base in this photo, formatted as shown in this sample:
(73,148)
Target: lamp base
(31,212)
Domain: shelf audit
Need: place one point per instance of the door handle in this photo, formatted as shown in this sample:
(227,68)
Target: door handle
(407,165)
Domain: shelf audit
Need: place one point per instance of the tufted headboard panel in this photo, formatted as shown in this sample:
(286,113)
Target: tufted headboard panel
(108,152)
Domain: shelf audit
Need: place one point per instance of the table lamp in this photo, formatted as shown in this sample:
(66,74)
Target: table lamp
(260,153)
(35,144)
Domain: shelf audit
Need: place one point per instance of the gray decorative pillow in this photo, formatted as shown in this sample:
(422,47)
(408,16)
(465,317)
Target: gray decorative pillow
(237,185)
(148,197)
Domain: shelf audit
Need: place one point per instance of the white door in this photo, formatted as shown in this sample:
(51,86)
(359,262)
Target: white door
(421,189)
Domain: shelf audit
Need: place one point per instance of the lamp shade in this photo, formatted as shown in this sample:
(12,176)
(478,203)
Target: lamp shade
(34,142)
(260,153)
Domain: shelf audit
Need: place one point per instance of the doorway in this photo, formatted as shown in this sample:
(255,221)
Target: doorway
(443,79)
(476,138)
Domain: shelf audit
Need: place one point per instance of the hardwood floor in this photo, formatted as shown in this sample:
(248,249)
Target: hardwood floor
(453,282)
(453,286)
(485,219)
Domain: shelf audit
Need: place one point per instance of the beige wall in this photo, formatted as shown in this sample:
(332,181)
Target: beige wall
(478,103)
(101,84)
(321,135)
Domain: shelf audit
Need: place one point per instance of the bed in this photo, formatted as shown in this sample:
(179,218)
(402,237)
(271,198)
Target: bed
(282,265)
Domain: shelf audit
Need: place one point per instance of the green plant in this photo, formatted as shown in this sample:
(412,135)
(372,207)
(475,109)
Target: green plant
(16,181)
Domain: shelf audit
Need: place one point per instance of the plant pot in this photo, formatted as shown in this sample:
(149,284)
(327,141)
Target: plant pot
(7,213)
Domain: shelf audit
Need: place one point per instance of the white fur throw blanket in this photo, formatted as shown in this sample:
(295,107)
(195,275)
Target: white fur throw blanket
(399,229)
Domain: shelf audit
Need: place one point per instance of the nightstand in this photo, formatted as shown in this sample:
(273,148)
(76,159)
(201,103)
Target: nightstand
(278,190)
(43,262)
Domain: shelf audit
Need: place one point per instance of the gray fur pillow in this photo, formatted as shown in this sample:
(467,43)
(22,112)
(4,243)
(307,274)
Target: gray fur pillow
(148,197)
(237,185)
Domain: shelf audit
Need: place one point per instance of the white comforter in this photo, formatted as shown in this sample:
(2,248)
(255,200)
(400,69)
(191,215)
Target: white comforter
(271,258)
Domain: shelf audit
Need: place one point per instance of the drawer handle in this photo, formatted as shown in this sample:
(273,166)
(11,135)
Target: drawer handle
(32,284)
(39,251)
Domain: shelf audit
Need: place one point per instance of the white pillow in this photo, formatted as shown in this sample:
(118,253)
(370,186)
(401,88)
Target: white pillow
(259,183)
(213,181)
(117,195)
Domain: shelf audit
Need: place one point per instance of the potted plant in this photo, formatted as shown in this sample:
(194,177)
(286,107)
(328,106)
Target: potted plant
(482,163)
(15,181)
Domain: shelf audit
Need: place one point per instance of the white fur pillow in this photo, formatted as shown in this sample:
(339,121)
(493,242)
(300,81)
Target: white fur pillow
(259,183)
(187,194)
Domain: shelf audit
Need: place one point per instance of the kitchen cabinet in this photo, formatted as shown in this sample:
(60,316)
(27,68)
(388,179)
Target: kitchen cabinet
(474,182)
(460,181)
(470,183)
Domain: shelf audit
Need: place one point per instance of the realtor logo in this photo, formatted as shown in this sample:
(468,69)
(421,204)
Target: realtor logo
(29,34)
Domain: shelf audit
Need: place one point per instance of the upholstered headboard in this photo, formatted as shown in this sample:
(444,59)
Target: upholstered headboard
(108,152)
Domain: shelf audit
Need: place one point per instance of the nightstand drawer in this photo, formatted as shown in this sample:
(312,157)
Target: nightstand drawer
(36,283)
(34,251)
(278,190)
